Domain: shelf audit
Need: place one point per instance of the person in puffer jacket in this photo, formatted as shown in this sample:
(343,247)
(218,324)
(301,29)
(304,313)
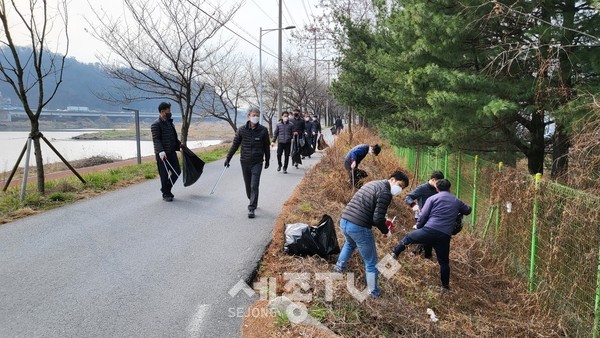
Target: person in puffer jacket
(367,209)
(166,143)
(283,136)
(255,143)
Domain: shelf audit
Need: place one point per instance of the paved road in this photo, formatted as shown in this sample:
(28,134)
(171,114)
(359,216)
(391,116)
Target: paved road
(128,264)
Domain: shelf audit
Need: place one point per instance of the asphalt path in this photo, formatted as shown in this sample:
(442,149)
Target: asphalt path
(126,263)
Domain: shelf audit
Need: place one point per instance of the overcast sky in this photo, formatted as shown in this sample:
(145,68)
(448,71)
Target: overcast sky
(247,22)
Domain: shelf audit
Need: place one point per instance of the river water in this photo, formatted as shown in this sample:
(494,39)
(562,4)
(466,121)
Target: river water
(12,142)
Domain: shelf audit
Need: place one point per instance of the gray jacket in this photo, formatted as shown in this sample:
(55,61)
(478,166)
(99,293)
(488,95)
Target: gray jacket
(369,205)
(283,132)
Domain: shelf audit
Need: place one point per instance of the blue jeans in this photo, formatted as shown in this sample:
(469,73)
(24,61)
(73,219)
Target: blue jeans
(363,239)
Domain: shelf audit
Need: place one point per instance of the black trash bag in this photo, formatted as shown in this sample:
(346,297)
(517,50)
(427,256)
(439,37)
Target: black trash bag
(359,176)
(299,241)
(326,237)
(307,149)
(304,240)
(458,224)
(192,167)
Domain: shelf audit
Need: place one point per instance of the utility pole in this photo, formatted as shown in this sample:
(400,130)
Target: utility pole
(280,57)
(315,74)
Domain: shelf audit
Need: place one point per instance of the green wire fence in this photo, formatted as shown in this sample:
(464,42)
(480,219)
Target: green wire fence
(548,233)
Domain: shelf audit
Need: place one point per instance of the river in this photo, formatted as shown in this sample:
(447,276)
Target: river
(12,142)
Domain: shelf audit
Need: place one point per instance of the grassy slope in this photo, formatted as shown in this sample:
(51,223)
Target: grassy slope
(484,301)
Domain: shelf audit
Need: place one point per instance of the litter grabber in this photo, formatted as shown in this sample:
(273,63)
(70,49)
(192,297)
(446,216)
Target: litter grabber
(219,180)
(170,172)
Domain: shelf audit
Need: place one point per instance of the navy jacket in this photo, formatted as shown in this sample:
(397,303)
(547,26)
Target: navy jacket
(420,194)
(357,153)
(440,212)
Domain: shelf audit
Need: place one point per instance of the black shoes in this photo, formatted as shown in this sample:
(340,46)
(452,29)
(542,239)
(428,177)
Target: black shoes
(285,170)
(250,213)
(279,168)
(168,197)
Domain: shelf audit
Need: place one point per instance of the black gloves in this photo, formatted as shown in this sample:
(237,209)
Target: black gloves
(227,162)
(266,164)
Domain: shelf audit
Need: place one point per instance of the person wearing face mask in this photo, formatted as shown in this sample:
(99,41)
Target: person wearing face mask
(309,134)
(416,199)
(355,156)
(298,129)
(166,143)
(435,226)
(283,136)
(367,209)
(255,143)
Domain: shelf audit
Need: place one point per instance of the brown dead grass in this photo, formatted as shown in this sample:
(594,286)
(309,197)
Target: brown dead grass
(484,301)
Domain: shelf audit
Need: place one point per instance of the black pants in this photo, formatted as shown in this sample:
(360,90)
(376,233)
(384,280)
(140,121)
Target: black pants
(283,148)
(165,183)
(440,242)
(251,174)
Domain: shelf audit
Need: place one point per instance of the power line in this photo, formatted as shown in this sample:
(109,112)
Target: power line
(229,29)
(262,10)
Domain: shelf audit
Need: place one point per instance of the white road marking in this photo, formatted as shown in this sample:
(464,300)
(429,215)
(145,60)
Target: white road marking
(196,322)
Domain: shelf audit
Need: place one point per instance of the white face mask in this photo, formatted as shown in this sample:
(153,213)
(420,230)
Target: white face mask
(254,119)
(306,119)
(285,119)
(396,189)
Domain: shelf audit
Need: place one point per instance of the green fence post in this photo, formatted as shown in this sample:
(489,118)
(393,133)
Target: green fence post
(500,164)
(474,212)
(596,330)
(538,177)
(487,224)
(437,159)
(458,174)
(446,163)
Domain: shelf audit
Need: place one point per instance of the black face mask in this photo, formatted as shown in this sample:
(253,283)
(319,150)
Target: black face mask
(168,115)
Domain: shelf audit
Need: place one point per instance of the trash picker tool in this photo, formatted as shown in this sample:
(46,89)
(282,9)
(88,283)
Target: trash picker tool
(219,180)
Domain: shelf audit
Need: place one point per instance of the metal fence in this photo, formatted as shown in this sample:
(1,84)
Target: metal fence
(544,231)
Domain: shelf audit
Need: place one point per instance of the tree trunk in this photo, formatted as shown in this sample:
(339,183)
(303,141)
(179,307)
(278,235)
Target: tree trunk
(535,156)
(560,151)
(39,160)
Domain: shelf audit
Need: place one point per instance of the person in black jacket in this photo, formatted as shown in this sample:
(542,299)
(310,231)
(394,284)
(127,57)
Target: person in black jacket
(298,129)
(283,136)
(254,140)
(317,124)
(166,143)
(367,209)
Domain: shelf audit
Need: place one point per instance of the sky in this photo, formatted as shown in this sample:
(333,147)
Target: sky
(246,22)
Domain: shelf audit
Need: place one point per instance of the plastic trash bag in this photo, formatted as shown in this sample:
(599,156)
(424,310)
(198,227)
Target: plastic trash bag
(326,237)
(321,144)
(192,167)
(304,240)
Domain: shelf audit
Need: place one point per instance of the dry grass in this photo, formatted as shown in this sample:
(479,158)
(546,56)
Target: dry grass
(484,301)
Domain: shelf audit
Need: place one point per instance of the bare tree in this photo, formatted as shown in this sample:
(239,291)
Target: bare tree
(35,73)
(230,87)
(163,50)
